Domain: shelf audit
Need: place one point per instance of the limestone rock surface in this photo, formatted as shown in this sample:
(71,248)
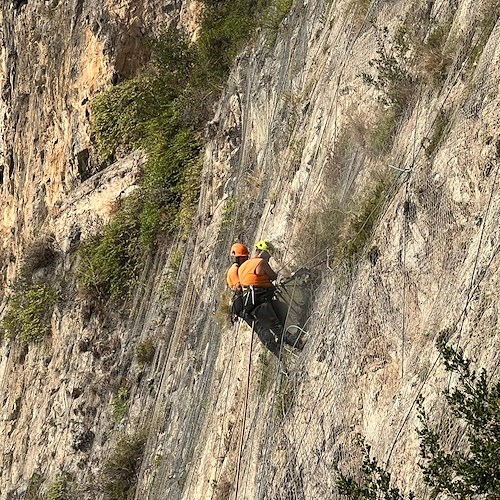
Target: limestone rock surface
(296,147)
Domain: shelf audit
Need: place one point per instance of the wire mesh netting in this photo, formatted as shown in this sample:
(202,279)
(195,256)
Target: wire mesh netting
(392,272)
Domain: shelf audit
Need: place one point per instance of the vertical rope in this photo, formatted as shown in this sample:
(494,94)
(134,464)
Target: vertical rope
(403,327)
(238,469)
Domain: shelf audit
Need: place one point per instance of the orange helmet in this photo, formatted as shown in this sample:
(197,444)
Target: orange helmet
(239,250)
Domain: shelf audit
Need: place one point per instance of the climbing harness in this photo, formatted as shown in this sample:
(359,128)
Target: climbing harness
(255,296)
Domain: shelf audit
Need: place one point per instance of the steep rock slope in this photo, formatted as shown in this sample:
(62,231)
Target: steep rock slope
(296,133)
(296,141)
(55,57)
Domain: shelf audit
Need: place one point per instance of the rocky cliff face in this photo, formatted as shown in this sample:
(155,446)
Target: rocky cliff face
(393,204)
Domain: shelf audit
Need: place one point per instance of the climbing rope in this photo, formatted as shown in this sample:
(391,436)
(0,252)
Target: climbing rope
(240,454)
(226,400)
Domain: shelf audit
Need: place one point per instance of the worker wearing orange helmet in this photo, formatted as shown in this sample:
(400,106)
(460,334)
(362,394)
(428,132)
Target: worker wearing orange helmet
(256,277)
(239,253)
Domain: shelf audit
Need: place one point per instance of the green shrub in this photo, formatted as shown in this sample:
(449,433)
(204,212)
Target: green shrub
(163,112)
(145,351)
(392,79)
(226,27)
(29,313)
(119,404)
(151,220)
(273,16)
(149,112)
(33,488)
(59,490)
(110,262)
(118,117)
(474,468)
(463,469)
(363,218)
(121,470)
(172,63)
(344,228)
(169,159)
(176,260)
(140,111)
(374,481)
(394,82)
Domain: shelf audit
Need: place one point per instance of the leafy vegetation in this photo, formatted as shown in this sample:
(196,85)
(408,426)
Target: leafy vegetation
(226,28)
(29,312)
(363,218)
(33,488)
(274,16)
(59,489)
(117,117)
(110,262)
(145,351)
(344,227)
(473,468)
(468,467)
(163,112)
(119,404)
(373,484)
(393,81)
(121,470)
(392,78)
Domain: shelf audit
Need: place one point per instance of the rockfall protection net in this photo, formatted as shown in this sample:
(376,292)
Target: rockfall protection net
(428,268)
(433,267)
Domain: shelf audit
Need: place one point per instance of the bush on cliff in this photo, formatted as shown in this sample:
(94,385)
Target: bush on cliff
(110,262)
(163,112)
(472,468)
(29,312)
(467,468)
(121,469)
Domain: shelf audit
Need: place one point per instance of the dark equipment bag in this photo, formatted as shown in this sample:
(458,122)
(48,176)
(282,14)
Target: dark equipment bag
(237,304)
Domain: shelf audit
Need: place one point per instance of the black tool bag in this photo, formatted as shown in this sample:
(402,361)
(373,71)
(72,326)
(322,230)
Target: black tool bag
(237,308)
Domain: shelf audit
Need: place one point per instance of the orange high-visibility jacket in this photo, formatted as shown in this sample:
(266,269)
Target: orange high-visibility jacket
(233,280)
(248,276)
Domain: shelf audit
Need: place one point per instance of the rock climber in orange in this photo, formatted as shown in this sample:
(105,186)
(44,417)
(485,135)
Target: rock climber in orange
(239,254)
(256,277)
